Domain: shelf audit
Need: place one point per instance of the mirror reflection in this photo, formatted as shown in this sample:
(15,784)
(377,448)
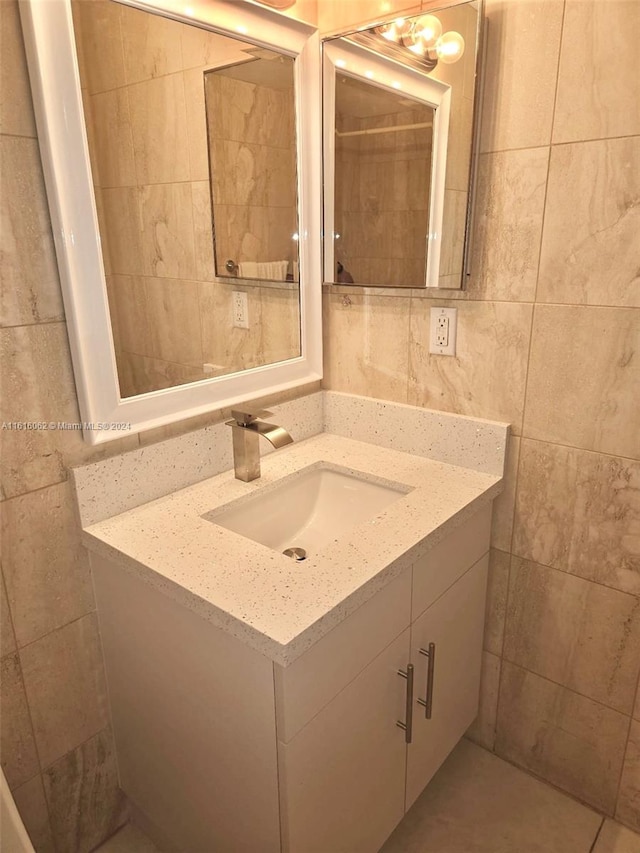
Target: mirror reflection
(383,144)
(174,119)
(400,204)
(252,160)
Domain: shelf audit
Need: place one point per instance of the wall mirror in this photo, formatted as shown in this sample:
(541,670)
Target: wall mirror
(182,167)
(398,131)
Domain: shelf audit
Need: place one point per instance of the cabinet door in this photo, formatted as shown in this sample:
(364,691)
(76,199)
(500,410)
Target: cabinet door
(342,776)
(454,623)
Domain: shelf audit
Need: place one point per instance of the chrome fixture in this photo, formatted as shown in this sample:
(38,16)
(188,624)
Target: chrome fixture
(427,702)
(407,725)
(246,429)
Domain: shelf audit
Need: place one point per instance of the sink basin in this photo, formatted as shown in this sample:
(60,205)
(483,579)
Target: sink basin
(308,509)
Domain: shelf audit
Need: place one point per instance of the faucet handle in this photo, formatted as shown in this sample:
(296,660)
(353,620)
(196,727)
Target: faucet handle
(246,415)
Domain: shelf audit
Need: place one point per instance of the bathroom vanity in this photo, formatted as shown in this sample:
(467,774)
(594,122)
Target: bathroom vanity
(264,704)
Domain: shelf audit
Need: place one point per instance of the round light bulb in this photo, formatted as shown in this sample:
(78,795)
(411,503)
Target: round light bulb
(450,47)
(428,29)
(394,30)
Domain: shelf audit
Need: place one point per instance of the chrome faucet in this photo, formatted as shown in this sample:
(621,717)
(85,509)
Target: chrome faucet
(246,429)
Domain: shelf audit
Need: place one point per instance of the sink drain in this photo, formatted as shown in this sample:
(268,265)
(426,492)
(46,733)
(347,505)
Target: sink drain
(297,554)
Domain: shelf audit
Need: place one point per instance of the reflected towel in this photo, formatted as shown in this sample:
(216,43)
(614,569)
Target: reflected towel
(272,270)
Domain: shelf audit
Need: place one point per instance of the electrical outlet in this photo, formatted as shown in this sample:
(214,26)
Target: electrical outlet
(240,310)
(443,326)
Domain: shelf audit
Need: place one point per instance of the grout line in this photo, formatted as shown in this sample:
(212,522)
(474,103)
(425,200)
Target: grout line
(7,500)
(59,628)
(559,144)
(574,575)
(631,459)
(595,840)
(60,321)
(570,689)
(532,775)
(626,745)
(6,135)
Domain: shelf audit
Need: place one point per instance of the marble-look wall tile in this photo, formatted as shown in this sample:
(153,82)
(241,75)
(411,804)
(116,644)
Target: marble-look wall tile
(574,632)
(280,324)
(16,111)
(32,806)
(239,175)
(203,231)
(578,511)
(251,113)
(240,232)
(167,230)
(596,96)
(65,685)
(174,320)
(196,125)
(567,739)
(98,25)
(7,637)
(509,210)
(504,506)
(139,374)
(202,48)
(85,803)
(366,343)
(523,43)
(497,590)
(112,144)
(454,222)
(159,126)
(18,747)
(132,310)
(37,384)
(590,251)
(122,220)
(487,376)
(584,374)
(151,45)
(628,806)
(45,566)
(30,289)
(483,729)
(614,838)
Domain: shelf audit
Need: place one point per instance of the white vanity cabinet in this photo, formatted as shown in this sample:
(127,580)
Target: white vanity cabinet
(221,749)
(342,776)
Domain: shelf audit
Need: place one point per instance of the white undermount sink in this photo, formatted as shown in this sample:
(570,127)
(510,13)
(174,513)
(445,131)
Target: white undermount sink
(308,509)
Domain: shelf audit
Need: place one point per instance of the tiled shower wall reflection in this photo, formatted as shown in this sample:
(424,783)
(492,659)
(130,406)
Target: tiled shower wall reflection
(549,340)
(144,99)
(55,740)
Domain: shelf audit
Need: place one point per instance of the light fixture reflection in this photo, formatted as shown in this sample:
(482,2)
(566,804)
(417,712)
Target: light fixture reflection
(424,38)
(450,47)
(428,29)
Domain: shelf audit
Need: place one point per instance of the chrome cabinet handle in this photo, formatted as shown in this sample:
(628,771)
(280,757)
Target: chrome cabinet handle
(427,702)
(407,726)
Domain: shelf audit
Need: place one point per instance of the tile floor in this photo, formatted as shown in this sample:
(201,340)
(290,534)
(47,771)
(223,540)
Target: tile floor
(478,803)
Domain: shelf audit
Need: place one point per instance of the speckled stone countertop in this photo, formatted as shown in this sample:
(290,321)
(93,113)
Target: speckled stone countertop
(275,605)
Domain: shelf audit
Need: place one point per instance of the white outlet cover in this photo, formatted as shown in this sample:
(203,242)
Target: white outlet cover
(438,315)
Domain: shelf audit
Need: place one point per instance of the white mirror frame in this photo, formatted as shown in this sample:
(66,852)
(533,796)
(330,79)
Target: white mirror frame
(365,64)
(55,83)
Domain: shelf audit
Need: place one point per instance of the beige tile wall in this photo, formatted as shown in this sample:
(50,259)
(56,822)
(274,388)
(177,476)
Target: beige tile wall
(55,740)
(549,340)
